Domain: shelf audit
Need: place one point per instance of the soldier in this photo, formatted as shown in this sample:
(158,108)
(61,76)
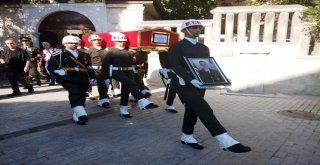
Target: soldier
(166,75)
(17,65)
(191,94)
(74,73)
(97,54)
(34,55)
(141,72)
(118,65)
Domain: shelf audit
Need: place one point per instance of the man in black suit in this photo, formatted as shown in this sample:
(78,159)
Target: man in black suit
(208,75)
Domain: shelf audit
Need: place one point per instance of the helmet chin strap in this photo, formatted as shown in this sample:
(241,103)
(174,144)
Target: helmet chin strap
(190,33)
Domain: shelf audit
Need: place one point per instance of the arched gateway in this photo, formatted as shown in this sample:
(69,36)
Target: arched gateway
(58,24)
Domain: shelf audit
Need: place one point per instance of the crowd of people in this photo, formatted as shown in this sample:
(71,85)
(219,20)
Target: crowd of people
(121,70)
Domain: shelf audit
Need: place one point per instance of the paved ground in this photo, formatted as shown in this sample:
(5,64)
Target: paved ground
(37,129)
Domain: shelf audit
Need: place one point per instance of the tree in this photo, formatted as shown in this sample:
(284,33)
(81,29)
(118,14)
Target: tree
(184,9)
(312,17)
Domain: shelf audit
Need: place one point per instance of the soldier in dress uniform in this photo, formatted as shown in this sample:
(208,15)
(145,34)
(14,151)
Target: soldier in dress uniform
(35,56)
(191,93)
(97,54)
(118,64)
(166,75)
(74,73)
(140,72)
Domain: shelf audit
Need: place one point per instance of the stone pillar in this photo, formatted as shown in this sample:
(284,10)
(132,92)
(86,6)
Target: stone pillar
(316,49)
(242,27)
(207,35)
(167,28)
(229,27)
(268,27)
(296,27)
(181,35)
(255,27)
(282,28)
(216,27)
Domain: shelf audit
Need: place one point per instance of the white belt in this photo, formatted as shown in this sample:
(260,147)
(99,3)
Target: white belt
(122,68)
(96,67)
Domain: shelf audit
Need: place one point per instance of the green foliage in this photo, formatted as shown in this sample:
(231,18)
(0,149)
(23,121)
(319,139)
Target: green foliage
(279,2)
(185,9)
(311,16)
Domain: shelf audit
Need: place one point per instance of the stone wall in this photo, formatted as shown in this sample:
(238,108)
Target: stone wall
(11,22)
(124,17)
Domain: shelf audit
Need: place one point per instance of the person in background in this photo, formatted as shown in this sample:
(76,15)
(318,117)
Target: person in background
(34,56)
(47,53)
(97,54)
(17,64)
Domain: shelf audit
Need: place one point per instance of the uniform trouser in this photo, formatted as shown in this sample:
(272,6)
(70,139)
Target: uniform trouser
(171,96)
(15,78)
(128,85)
(52,77)
(77,93)
(33,72)
(138,78)
(102,88)
(196,106)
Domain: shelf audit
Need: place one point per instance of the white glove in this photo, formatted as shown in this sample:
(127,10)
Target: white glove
(93,81)
(196,83)
(60,72)
(107,82)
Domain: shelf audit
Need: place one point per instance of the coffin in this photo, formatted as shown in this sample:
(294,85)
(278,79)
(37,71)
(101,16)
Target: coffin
(145,40)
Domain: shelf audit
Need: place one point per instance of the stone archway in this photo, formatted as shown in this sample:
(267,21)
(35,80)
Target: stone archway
(61,23)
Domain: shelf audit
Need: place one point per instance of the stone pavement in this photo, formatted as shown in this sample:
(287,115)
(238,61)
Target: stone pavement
(37,129)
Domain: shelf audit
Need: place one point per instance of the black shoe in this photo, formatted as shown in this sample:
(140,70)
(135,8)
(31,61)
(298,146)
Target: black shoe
(151,106)
(105,105)
(172,110)
(39,83)
(238,148)
(133,100)
(147,95)
(52,84)
(82,120)
(14,94)
(126,115)
(30,90)
(193,145)
(118,95)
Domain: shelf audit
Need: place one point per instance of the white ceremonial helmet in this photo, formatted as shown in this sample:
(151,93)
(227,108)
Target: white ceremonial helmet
(189,23)
(117,36)
(94,37)
(70,39)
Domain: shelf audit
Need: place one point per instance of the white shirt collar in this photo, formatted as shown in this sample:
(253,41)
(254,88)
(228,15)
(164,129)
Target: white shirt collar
(97,47)
(119,47)
(73,52)
(192,40)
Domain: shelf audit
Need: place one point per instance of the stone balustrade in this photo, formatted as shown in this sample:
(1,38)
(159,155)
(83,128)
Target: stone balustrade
(263,49)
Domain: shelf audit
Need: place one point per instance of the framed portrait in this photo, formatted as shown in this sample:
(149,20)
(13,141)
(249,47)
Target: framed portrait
(207,71)
(160,38)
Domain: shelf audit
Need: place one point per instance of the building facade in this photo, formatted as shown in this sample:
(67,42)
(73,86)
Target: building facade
(50,20)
